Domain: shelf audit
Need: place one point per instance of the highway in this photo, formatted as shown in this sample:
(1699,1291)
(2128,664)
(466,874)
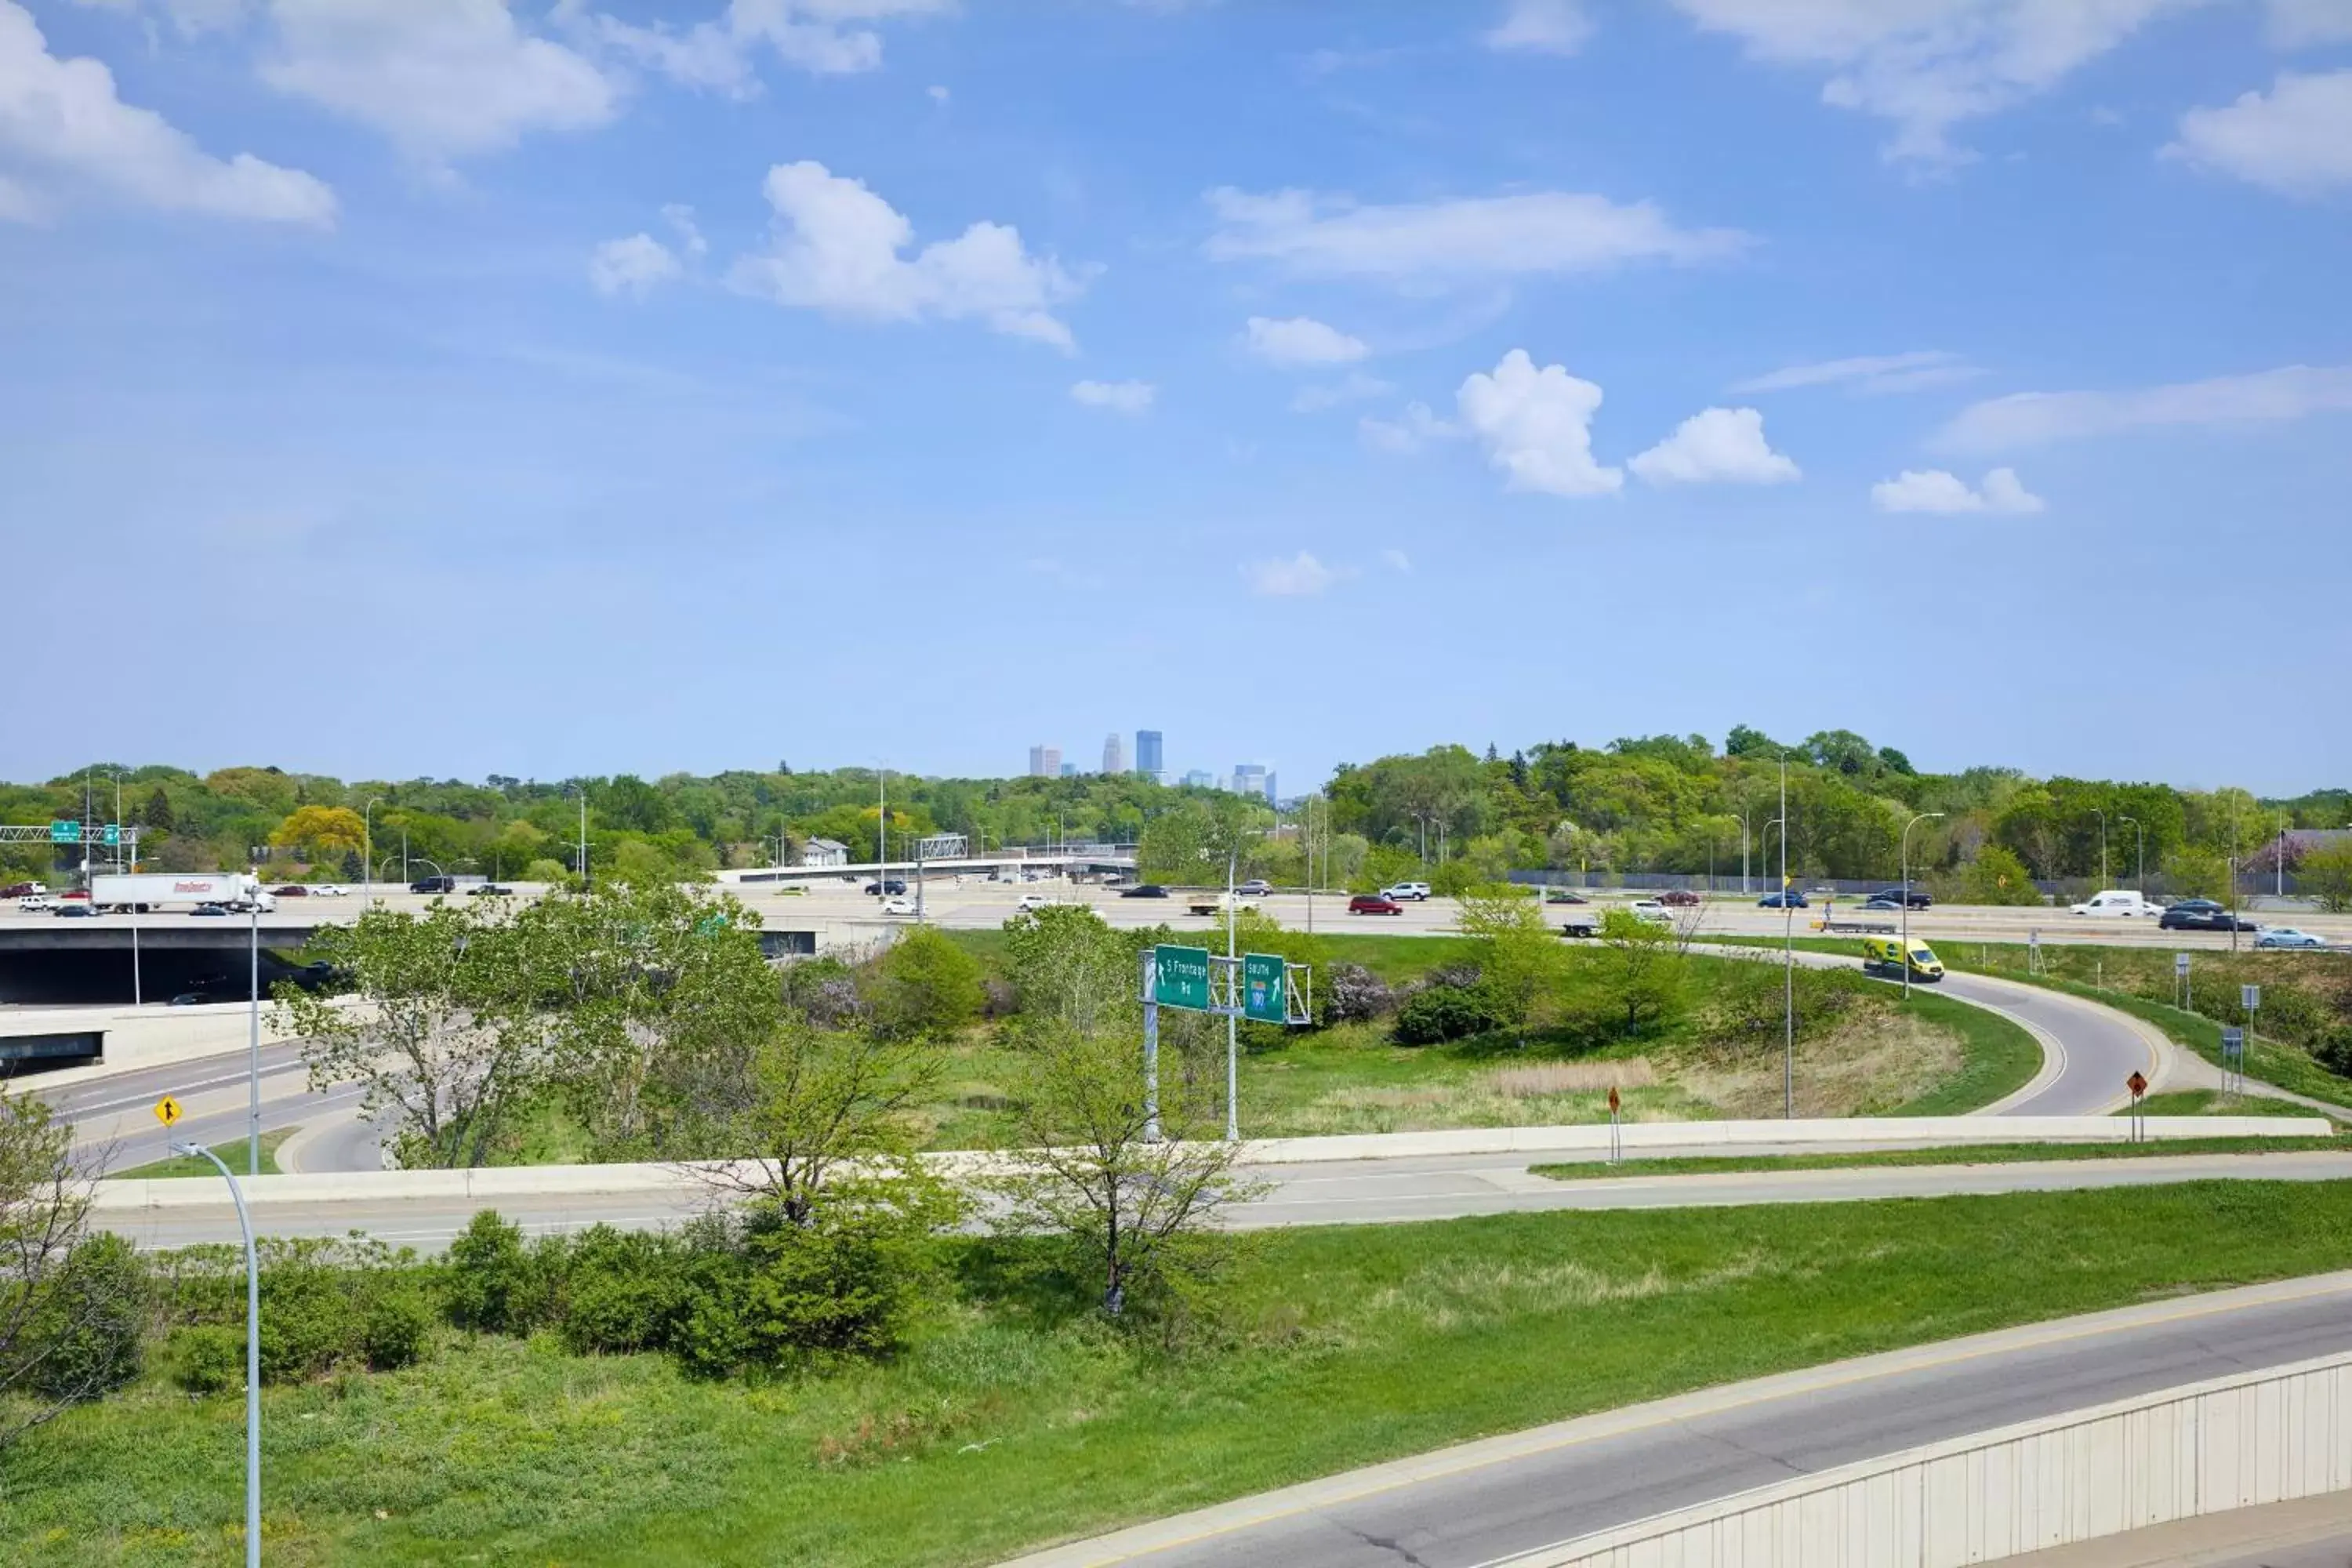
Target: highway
(1480,1505)
(1366,1191)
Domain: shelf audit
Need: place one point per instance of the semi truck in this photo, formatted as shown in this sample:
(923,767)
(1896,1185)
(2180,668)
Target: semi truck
(137,893)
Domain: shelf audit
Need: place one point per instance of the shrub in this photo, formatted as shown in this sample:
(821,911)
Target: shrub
(309,1318)
(1443,1013)
(621,1292)
(929,984)
(208,1358)
(824,992)
(398,1330)
(492,1283)
(825,1286)
(92,1322)
(1354,995)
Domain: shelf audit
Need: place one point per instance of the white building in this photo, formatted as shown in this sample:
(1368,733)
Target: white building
(1044,762)
(1114,755)
(824,852)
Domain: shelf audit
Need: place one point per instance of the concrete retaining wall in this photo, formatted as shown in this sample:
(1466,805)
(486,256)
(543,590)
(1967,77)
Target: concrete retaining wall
(2235,1442)
(538,1181)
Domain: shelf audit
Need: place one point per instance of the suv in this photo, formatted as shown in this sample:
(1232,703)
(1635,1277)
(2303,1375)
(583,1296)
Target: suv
(24,891)
(434,884)
(1256,887)
(1416,891)
(890,888)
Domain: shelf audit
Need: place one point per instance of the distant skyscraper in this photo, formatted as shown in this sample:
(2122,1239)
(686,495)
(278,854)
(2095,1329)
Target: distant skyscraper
(1114,754)
(1146,753)
(1271,796)
(1044,762)
(1200,778)
(1249,778)
(1069,770)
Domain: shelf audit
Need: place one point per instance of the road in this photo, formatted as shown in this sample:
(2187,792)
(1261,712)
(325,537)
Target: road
(1477,1506)
(1368,1191)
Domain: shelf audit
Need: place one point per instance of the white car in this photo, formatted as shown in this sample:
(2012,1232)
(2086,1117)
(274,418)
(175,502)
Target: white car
(1034,901)
(898,906)
(1416,891)
(330,890)
(1652,910)
(33,903)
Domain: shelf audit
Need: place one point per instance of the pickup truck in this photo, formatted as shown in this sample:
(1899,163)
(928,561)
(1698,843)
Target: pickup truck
(1214,904)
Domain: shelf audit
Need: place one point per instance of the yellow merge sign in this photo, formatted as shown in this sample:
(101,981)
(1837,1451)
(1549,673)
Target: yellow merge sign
(167,1110)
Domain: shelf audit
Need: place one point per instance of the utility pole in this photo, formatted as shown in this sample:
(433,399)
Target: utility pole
(367,849)
(253,1075)
(252,1358)
(1232,1030)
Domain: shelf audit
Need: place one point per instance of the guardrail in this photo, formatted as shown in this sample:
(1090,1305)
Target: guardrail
(2233,1442)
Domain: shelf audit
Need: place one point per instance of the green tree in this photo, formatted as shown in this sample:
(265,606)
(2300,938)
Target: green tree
(157,813)
(1641,973)
(1997,877)
(828,1104)
(448,1040)
(928,984)
(1072,969)
(2326,875)
(316,832)
(44,1321)
(1520,962)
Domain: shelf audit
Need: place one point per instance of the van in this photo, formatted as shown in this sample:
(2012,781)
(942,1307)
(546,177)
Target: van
(1884,955)
(2117,902)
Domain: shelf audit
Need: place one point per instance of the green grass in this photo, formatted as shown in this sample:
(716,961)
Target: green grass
(2213,1102)
(197,1165)
(1976,1154)
(1999,1057)
(1008,1423)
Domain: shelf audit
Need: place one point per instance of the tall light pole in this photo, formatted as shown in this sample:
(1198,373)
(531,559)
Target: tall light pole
(1232,1030)
(882,827)
(252,1358)
(2140,876)
(1788,966)
(253,1074)
(1923,817)
(367,850)
(2103,845)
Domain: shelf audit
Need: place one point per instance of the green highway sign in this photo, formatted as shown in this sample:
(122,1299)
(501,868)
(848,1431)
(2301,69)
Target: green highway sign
(1180,977)
(1262,997)
(113,833)
(65,831)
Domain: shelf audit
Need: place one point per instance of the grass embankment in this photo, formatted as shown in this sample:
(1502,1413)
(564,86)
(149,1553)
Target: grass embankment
(1013,1420)
(2132,979)
(233,1154)
(1978,1155)
(1931,1056)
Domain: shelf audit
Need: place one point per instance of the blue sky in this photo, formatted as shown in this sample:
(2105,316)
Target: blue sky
(602,386)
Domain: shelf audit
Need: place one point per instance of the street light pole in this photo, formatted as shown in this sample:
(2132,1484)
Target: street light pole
(253,1075)
(1788,966)
(252,1358)
(1907,826)
(1232,1030)
(367,850)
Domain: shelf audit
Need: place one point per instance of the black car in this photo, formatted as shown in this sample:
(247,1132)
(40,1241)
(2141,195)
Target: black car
(210,910)
(488,890)
(1882,904)
(2203,914)
(1792,900)
(1561,896)
(1144,891)
(891,887)
(1920,898)
(434,884)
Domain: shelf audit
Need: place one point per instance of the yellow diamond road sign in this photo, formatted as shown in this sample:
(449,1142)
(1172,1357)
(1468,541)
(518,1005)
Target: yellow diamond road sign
(167,1110)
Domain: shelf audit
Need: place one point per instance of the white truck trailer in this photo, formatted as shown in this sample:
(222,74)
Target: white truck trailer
(139,892)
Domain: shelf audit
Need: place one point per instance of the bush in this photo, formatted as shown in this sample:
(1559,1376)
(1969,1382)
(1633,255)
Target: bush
(207,1358)
(92,1322)
(1354,995)
(1443,1013)
(398,1330)
(309,1318)
(824,992)
(929,984)
(493,1284)
(621,1292)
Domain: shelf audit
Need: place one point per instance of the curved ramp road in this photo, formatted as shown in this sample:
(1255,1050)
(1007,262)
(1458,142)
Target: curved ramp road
(1483,1504)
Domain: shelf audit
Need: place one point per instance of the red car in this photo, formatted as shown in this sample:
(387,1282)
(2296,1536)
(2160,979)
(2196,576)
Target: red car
(291,891)
(1373,904)
(1679,899)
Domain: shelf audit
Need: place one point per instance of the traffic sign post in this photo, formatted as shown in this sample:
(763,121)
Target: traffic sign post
(1260,986)
(2250,998)
(2233,1061)
(2180,980)
(1616,1143)
(2138,1084)
(167,1110)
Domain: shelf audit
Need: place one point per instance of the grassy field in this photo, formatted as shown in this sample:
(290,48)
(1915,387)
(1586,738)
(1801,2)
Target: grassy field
(1977,1154)
(1013,1420)
(196,1165)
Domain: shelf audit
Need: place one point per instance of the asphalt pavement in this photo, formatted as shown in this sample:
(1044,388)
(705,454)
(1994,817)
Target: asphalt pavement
(1480,1505)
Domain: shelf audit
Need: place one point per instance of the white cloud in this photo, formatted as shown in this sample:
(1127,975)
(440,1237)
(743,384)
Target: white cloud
(1119,397)
(1716,446)
(1536,232)
(1407,434)
(836,249)
(2036,419)
(1935,491)
(1396,561)
(1536,427)
(1355,388)
(1302,339)
(631,266)
(1928,64)
(819,36)
(1542,27)
(1869,374)
(680,218)
(1299,577)
(441,77)
(2295,138)
(2300,23)
(192,18)
(63,116)
(939,94)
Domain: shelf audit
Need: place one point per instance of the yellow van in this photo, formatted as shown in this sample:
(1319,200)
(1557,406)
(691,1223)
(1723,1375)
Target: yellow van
(1884,955)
